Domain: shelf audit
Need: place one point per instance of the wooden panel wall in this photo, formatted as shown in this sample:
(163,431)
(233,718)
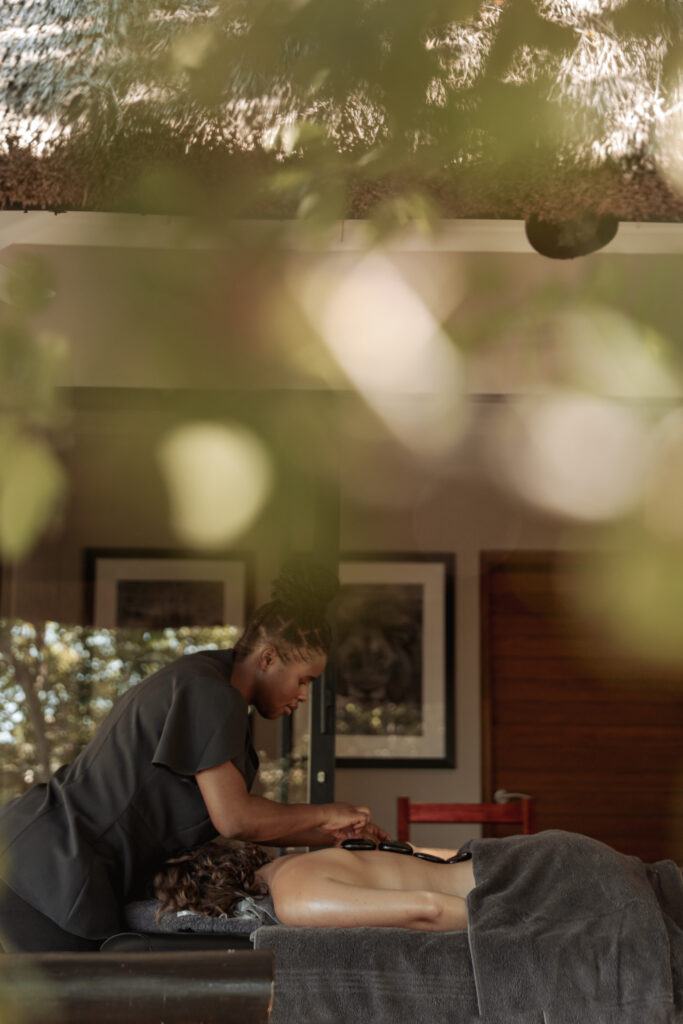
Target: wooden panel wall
(593,734)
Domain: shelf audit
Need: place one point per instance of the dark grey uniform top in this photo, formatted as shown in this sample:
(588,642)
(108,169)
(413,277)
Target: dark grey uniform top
(76,846)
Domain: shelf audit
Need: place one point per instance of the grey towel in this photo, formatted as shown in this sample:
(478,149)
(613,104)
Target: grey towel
(370,976)
(563,926)
(250,913)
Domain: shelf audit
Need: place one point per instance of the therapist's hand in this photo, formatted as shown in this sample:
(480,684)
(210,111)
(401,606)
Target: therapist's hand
(371,831)
(338,817)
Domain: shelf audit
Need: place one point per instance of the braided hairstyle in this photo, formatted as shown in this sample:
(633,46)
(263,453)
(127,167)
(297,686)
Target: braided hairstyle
(293,621)
(211,879)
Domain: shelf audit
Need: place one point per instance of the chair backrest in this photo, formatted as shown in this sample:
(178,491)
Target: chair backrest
(515,812)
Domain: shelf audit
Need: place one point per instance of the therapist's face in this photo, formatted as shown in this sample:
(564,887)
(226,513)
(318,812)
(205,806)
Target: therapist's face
(283,685)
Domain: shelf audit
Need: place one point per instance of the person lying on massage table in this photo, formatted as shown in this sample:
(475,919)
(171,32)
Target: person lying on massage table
(560,926)
(339,886)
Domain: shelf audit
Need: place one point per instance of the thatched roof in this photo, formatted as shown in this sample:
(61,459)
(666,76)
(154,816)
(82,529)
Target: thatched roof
(516,107)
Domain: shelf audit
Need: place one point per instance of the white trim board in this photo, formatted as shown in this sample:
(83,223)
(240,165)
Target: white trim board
(162,232)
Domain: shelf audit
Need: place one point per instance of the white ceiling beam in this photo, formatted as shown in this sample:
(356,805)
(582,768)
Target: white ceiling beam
(162,232)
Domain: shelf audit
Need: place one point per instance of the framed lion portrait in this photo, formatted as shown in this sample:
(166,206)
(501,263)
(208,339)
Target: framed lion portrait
(395,622)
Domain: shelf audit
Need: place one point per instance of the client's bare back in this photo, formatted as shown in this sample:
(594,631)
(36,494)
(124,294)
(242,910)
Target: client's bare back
(351,888)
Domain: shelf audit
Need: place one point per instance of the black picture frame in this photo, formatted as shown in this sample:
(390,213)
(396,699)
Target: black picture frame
(155,588)
(395,660)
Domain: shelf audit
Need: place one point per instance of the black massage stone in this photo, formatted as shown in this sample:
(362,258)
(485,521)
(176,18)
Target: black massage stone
(359,844)
(392,846)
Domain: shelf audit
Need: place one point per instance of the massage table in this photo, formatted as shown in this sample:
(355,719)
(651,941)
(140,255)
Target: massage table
(562,930)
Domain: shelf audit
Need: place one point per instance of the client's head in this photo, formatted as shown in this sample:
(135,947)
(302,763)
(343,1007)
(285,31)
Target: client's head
(211,879)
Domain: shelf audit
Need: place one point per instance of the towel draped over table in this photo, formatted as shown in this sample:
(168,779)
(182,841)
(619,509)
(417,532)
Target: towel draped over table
(565,930)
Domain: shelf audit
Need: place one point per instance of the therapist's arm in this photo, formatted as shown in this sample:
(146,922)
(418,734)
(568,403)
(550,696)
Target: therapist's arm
(236,814)
(316,837)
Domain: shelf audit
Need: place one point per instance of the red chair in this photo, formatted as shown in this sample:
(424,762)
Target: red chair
(516,812)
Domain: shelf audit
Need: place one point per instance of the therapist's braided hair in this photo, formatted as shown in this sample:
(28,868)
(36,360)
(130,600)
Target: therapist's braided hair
(294,620)
(210,880)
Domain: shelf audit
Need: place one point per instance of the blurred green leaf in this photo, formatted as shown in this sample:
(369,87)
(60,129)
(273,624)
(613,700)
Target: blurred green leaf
(413,209)
(672,65)
(647,17)
(31,366)
(29,285)
(638,594)
(521,25)
(32,484)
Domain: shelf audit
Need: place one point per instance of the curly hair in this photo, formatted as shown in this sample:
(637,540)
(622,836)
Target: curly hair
(211,879)
(293,621)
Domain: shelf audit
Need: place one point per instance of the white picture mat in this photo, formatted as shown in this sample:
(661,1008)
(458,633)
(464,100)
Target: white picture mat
(110,571)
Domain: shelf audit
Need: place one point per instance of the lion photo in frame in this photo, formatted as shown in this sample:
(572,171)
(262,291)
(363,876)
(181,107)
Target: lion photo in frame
(394,660)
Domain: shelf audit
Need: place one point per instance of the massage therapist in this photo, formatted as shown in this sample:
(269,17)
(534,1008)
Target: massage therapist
(169,768)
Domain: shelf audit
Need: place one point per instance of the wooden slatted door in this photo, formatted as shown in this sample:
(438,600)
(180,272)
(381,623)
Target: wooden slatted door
(593,734)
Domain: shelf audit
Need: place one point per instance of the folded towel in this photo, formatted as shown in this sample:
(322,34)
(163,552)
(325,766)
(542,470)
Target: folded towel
(250,913)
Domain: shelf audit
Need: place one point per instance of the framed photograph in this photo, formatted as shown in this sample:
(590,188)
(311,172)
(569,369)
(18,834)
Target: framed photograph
(395,661)
(160,589)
